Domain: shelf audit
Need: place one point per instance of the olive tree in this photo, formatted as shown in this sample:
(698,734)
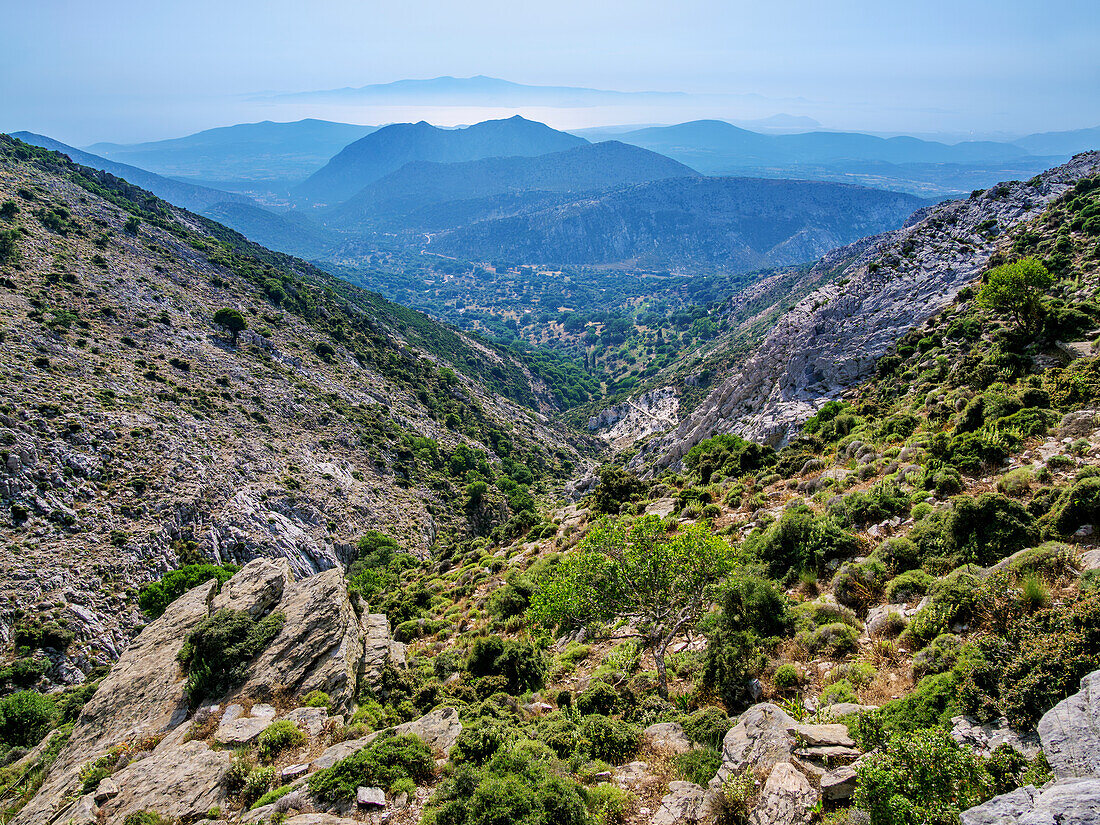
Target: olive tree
(232,320)
(659,584)
(1017,289)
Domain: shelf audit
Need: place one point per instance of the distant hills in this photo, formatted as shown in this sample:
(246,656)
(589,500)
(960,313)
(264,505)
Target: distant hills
(262,152)
(1061,143)
(388,149)
(474,91)
(730,223)
(714,146)
(407,198)
(188,195)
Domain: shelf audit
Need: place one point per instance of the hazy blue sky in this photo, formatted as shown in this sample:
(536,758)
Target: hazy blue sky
(84,70)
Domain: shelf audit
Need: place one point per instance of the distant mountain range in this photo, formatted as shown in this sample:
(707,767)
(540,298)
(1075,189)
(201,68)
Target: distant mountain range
(388,149)
(261,152)
(1061,143)
(730,223)
(187,195)
(426,196)
(473,91)
(714,146)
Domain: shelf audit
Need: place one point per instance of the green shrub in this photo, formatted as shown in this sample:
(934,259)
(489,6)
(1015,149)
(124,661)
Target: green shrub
(278,737)
(908,585)
(938,656)
(857,585)
(608,804)
(931,703)
(317,699)
(787,676)
(154,598)
(1078,504)
(727,455)
(145,818)
(514,789)
(607,739)
(380,763)
(921,778)
(25,718)
(834,639)
(480,741)
(217,653)
(698,766)
(518,663)
(256,784)
(599,698)
(274,795)
(838,692)
(707,726)
(800,540)
(1016,483)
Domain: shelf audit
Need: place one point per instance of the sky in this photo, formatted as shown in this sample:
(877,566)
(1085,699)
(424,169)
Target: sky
(115,70)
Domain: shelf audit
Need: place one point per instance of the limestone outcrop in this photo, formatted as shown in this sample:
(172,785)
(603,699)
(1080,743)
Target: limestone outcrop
(1070,733)
(143,703)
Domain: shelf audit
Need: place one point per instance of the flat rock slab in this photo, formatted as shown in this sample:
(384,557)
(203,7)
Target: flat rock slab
(335,753)
(321,819)
(1067,801)
(823,735)
(440,728)
(839,783)
(370,798)
(241,732)
(311,720)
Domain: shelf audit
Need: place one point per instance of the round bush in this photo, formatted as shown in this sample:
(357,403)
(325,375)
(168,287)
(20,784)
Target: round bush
(787,676)
(599,698)
(610,740)
(25,718)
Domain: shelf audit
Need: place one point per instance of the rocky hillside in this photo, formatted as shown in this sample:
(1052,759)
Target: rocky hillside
(871,293)
(892,619)
(732,223)
(138,434)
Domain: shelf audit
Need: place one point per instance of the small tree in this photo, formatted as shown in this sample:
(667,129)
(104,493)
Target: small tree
(660,583)
(1017,289)
(232,320)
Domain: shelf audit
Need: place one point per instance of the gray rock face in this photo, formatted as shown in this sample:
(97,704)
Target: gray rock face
(182,780)
(682,804)
(1067,801)
(787,798)
(833,337)
(142,695)
(370,798)
(320,646)
(440,729)
(1070,732)
(760,739)
(668,736)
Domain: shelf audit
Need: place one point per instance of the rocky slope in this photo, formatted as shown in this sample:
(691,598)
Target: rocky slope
(731,223)
(878,289)
(136,435)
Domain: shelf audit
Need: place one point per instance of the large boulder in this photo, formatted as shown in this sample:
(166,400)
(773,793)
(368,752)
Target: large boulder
(683,803)
(320,646)
(1070,733)
(761,739)
(788,798)
(143,695)
(182,780)
(668,736)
